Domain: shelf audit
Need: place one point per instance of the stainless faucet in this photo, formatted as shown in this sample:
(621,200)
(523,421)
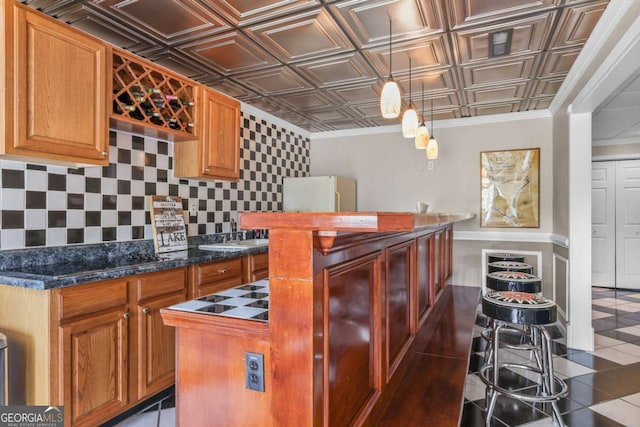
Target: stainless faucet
(234,229)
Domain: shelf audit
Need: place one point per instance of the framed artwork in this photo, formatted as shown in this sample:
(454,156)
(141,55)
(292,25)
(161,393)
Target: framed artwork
(510,186)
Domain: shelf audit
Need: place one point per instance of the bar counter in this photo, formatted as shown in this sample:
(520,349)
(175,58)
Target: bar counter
(347,294)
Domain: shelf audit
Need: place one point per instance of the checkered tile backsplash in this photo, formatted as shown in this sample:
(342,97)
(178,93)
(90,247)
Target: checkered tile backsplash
(54,206)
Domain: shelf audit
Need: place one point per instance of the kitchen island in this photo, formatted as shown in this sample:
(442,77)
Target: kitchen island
(347,294)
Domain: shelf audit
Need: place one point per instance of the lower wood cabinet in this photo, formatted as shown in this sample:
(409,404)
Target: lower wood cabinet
(211,277)
(256,267)
(101,348)
(113,349)
(155,356)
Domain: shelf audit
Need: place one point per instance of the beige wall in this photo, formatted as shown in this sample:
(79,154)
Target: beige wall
(392,175)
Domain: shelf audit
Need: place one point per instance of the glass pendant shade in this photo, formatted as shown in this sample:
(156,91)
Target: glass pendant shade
(422,137)
(409,122)
(432,149)
(390,100)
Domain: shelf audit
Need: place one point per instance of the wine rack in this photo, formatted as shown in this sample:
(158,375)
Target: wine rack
(151,100)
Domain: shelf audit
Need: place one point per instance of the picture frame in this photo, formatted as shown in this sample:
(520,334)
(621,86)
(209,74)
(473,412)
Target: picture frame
(510,188)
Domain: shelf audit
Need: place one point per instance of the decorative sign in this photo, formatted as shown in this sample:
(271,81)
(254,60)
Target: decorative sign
(167,221)
(510,188)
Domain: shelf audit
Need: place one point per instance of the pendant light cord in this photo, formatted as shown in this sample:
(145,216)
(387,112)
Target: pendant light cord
(422,102)
(390,54)
(409,82)
(432,135)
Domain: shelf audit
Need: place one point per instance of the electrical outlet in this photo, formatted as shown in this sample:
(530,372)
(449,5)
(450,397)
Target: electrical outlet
(254,371)
(430,166)
(193,209)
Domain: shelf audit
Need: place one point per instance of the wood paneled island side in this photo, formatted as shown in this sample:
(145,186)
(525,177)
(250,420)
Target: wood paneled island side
(347,294)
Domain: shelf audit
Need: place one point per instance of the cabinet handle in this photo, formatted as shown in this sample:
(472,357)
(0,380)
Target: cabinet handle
(146,310)
(222,270)
(126,315)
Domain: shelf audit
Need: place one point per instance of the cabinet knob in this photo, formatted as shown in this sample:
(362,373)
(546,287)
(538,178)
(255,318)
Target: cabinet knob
(206,170)
(126,315)
(104,154)
(146,310)
(222,270)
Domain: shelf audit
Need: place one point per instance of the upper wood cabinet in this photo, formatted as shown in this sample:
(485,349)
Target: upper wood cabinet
(216,153)
(55,90)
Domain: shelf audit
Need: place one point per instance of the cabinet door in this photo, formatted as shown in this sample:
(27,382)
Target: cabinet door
(156,346)
(94,367)
(220,136)
(60,90)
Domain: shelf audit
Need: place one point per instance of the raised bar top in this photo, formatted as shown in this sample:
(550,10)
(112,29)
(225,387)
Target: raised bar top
(348,221)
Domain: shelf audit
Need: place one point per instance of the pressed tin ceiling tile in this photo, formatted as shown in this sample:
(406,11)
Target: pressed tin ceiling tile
(558,62)
(343,70)
(243,12)
(547,87)
(168,20)
(302,36)
(367,21)
(576,24)
(230,53)
(465,13)
(529,35)
(294,57)
(503,92)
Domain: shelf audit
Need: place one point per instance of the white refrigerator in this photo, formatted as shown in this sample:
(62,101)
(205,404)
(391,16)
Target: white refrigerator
(319,194)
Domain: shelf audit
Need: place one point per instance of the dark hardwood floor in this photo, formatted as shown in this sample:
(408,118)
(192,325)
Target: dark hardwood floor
(431,391)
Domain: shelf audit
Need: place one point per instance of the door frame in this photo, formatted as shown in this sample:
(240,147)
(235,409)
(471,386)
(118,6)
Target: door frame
(616,65)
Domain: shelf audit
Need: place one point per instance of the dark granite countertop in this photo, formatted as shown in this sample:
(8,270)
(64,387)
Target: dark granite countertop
(48,268)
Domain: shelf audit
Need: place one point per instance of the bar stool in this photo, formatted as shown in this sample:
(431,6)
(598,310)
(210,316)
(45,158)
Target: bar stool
(504,256)
(534,312)
(509,266)
(514,281)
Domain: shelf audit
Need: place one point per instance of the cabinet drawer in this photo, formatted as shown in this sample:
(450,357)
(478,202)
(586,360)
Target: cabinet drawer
(84,299)
(161,283)
(260,261)
(220,270)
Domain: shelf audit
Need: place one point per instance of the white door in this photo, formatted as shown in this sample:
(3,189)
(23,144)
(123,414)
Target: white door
(628,224)
(603,225)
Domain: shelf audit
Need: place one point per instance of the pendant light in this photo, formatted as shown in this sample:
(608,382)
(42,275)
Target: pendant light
(432,146)
(390,101)
(422,133)
(410,117)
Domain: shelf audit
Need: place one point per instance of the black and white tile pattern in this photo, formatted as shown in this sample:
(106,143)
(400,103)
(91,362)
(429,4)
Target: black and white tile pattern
(54,206)
(249,301)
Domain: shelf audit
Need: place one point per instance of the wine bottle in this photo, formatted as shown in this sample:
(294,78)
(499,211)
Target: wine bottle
(156,119)
(173,123)
(134,112)
(144,102)
(137,91)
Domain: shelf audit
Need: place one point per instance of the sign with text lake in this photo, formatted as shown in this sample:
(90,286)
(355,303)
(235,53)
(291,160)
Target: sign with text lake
(167,221)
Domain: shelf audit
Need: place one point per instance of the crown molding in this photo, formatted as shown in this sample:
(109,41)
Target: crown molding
(258,113)
(440,124)
(616,141)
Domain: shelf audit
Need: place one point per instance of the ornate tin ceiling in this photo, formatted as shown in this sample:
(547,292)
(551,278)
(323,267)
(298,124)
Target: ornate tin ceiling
(321,64)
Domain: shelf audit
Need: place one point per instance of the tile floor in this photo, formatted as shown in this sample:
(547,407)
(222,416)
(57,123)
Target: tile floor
(604,385)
